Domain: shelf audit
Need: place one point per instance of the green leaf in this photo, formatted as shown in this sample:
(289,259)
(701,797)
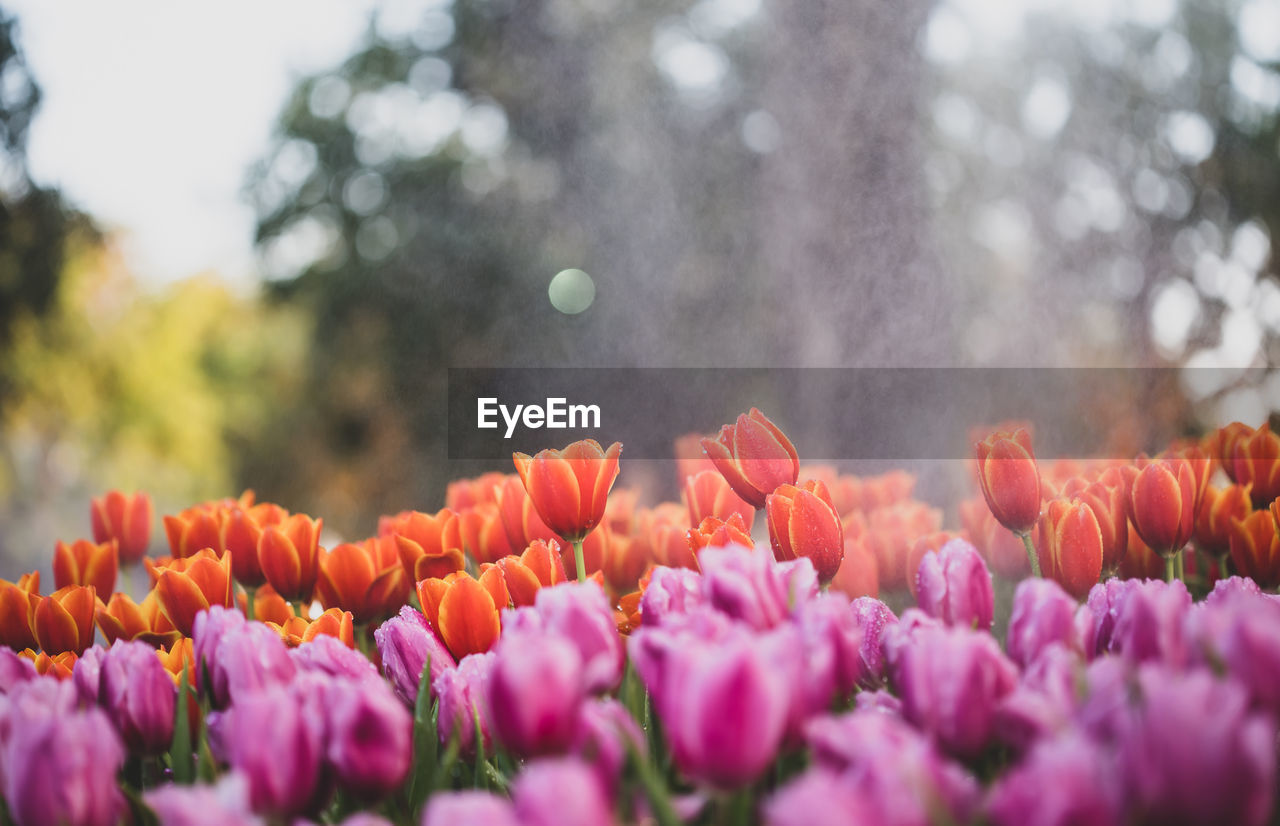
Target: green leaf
(425,745)
(180,752)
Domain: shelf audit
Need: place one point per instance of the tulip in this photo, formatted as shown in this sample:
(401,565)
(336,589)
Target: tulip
(84,563)
(334,622)
(266,736)
(1107,498)
(581,614)
(462,494)
(462,692)
(560,792)
(86,676)
(1219,507)
(465,611)
(1254,460)
(241,531)
(1003,550)
(370,738)
(746,586)
(540,566)
(14,669)
(366,579)
(126,519)
(1069,545)
(483,534)
(519,515)
(139,696)
(17,606)
(950,681)
(671,593)
(858,575)
(754,456)
(63,621)
(606,732)
(123,619)
(1064,780)
(185,587)
(829,622)
(1234,630)
(1044,702)
(713,533)
(723,704)
(289,556)
(327,655)
(1162,499)
(429,545)
(924,545)
(625,560)
(1194,752)
(406,644)
(223,804)
(1010,479)
(819,797)
(660,535)
(890,532)
(954,585)
(1042,614)
(803,523)
(447,808)
(708,494)
(1149,622)
(536,692)
(193,530)
(60,666)
(61,768)
(1255,548)
(247,659)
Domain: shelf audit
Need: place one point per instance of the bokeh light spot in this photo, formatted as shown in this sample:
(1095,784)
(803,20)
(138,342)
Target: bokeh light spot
(571,291)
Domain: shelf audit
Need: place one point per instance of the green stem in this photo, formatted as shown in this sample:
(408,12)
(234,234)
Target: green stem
(250,593)
(1031,554)
(1182,571)
(578,559)
(1170,568)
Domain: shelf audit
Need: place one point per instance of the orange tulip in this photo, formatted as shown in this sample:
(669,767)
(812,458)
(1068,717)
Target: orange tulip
(63,621)
(754,456)
(627,616)
(123,619)
(268,606)
(84,563)
(620,510)
(1255,460)
(17,606)
(178,654)
(1255,548)
(483,534)
(333,623)
(241,530)
(1219,507)
(185,587)
(462,494)
(661,536)
(890,532)
(803,523)
(1010,479)
(540,566)
(366,579)
(624,562)
(690,458)
(708,494)
(1107,498)
(59,665)
(519,516)
(289,555)
(126,519)
(1162,498)
(465,612)
(713,533)
(570,488)
(1002,550)
(429,545)
(1069,545)
(193,530)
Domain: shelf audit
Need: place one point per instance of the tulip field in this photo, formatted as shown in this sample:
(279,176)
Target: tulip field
(1077,643)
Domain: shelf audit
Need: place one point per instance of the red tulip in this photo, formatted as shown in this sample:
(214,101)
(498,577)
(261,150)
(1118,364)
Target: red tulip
(126,519)
(84,563)
(660,536)
(1107,498)
(1069,546)
(570,487)
(754,456)
(483,534)
(713,533)
(540,566)
(1002,550)
(1219,507)
(1010,479)
(1162,499)
(1255,548)
(708,494)
(520,518)
(1255,460)
(858,575)
(804,523)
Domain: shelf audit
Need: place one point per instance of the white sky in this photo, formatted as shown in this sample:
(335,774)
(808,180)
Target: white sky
(154,110)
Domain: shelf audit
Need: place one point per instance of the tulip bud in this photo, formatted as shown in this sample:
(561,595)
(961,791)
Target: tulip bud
(859,575)
(580,613)
(713,533)
(406,643)
(542,789)
(126,519)
(61,768)
(606,731)
(429,546)
(1255,548)
(1069,545)
(63,621)
(464,610)
(1254,460)
(483,534)
(1107,498)
(17,608)
(123,619)
(1010,479)
(1004,552)
(803,523)
(954,585)
(186,587)
(570,487)
(1042,614)
(708,494)
(193,530)
(223,804)
(266,736)
(366,579)
(1162,500)
(370,740)
(468,808)
(330,656)
(754,456)
(925,544)
(462,692)
(1063,780)
(536,692)
(139,696)
(746,586)
(1219,507)
(84,563)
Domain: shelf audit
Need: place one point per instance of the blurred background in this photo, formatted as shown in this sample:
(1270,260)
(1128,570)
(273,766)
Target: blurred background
(241,243)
